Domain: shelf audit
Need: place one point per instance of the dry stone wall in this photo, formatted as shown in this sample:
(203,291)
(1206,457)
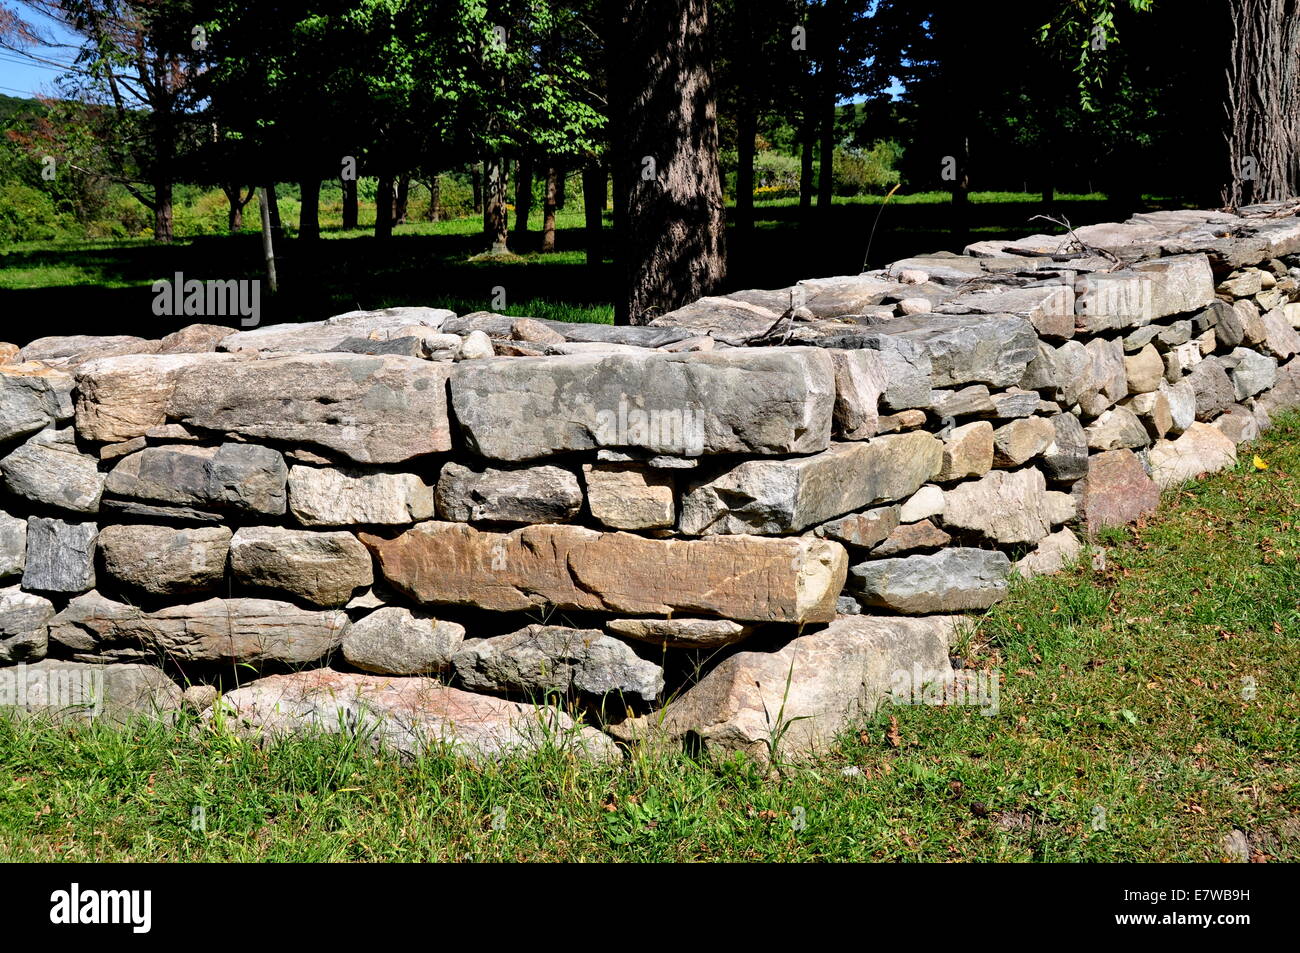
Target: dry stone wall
(494,532)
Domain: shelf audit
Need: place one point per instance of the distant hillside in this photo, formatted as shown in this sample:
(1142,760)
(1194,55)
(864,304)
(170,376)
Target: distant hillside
(11,106)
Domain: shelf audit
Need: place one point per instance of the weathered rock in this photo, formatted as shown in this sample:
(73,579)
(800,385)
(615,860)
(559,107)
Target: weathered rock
(1116,429)
(860,378)
(70,350)
(861,529)
(321,336)
(48,469)
(681,633)
(741,400)
(818,685)
(967,452)
(1059,507)
(413,716)
(119,398)
(1145,370)
(1104,382)
(32,396)
(1230,326)
(908,374)
(1242,284)
(1049,308)
(60,556)
(627,496)
(13,545)
(323,568)
(912,536)
(1052,555)
(1250,372)
(61,690)
(1153,411)
(234,476)
(1239,424)
(477,347)
(986,349)
(1013,403)
(382,409)
(1285,394)
(1213,388)
(1022,440)
(960,403)
(569,567)
(1182,405)
(23,619)
(1202,449)
(393,640)
(546,659)
(1009,507)
(951,580)
(1276,335)
(162,561)
(339,496)
(193,339)
(782,496)
(1116,491)
(216,630)
(1179,283)
(542,494)
(926,502)
(1066,457)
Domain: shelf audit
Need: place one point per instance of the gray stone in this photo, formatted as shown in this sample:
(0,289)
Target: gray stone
(73,349)
(860,378)
(215,630)
(1277,336)
(1182,404)
(1202,449)
(1105,382)
(908,375)
(13,545)
(1014,403)
(1250,371)
(1022,440)
(960,403)
(817,685)
(413,716)
(1230,326)
(1180,332)
(340,496)
(986,349)
(628,496)
(323,568)
(1049,307)
(1144,370)
(382,409)
(23,620)
(542,494)
(60,556)
(48,469)
(545,659)
(60,690)
(741,400)
(396,641)
(1213,388)
(681,633)
(162,561)
(32,396)
(861,529)
(1052,555)
(234,476)
(1008,507)
(1066,457)
(1179,283)
(912,536)
(1116,429)
(967,451)
(782,496)
(327,335)
(952,580)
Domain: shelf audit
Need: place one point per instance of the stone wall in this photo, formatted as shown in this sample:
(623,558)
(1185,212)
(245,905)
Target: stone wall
(490,531)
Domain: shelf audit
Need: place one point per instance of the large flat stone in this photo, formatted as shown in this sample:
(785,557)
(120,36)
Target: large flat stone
(341,496)
(394,640)
(320,567)
(216,630)
(951,580)
(681,633)
(32,396)
(60,556)
(60,690)
(1202,449)
(328,335)
(570,567)
(1009,507)
(235,476)
(371,409)
(414,716)
(986,349)
(783,496)
(162,561)
(742,400)
(49,470)
(541,494)
(1116,490)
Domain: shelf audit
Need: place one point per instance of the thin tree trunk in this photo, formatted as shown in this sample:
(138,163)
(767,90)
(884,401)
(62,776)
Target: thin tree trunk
(273,210)
(384,206)
(476,183)
(523,198)
(593,206)
(548,208)
(403,198)
(826,174)
(435,199)
(268,241)
(162,212)
(668,204)
(560,186)
(309,211)
(496,224)
(350,208)
(807,137)
(235,215)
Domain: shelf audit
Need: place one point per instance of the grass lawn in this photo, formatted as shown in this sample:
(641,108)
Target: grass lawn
(103,287)
(1145,712)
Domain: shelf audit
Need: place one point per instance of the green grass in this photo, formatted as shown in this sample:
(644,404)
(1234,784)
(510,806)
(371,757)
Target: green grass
(1123,734)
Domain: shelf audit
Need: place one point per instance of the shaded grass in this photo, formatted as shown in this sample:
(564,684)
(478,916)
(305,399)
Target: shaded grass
(1125,731)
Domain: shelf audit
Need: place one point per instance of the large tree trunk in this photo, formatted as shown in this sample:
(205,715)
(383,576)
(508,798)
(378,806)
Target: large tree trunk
(1263,102)
(476,184)
(162,211)
(593,206)
(496,223)
(435,199)
(384,206)
(235,214)
(309,211)
(549,206)
(350,207)
(403,198)
(668,205)
(523,198)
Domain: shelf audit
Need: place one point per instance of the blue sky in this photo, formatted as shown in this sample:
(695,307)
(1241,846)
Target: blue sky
(20,76)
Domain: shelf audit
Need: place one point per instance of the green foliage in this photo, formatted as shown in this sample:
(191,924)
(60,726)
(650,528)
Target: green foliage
(859,171)
(27,214)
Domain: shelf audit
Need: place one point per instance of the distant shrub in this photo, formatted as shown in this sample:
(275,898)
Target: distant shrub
(866,171)
(27,214)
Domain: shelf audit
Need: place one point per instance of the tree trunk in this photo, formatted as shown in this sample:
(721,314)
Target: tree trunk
(593,206)
(496,224)
(561,182)
(1263,102)
(162,212)
(309,211)
(746,133)
(523,198)
(403,198)
(235,215)
(806,136)
(826,174)
(349,203)
(548,208)
(476,183)
(384,206)
(668,206)
(273,210)
(435,199)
